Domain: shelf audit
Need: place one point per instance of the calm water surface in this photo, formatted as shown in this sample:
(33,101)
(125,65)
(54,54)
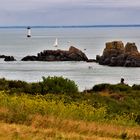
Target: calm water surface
(14,42)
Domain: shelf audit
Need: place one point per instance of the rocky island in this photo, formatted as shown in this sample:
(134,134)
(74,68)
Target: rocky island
(73,54)
(116,54)
(7,58)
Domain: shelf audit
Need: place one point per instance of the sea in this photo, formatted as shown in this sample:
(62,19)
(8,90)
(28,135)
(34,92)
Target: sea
(91,40)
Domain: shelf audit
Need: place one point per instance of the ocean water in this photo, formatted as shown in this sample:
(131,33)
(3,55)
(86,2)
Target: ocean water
(13,42)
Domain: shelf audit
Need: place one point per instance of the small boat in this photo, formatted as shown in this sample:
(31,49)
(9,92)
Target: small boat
(55,43)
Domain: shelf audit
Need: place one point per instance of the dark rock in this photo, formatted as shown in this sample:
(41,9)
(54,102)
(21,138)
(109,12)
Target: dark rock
(29,58)
(2,56)
(106,61)
(98,57)
(73,54)
(9,58)
(115,54)
(113,61)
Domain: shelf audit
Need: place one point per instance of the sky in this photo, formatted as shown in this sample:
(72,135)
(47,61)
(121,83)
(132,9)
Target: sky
(69,12)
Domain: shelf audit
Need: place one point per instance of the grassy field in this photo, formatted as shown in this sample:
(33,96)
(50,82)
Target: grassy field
(54,128)
(23,132)
(46,117)
(53,110)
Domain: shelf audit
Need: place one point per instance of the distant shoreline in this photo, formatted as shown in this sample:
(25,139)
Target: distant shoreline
(73,26)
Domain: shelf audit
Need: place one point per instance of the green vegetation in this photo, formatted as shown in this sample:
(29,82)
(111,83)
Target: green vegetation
(113,88)
(61,113)
(48,85)
(58,99)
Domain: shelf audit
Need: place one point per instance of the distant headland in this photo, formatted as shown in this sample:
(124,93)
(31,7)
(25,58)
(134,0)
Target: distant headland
(73,26)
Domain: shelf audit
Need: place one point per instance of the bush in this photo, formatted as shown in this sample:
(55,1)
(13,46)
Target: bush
(58,85)
(109,87)
(48,85)
(19,109)
(101,87)
(137,119)
(3,84)
(136,87)
(16,84)
(120,87)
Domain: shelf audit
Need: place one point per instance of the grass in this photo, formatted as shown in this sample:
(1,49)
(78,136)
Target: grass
(45,127)
(19,108)
(53,110)
(59,117)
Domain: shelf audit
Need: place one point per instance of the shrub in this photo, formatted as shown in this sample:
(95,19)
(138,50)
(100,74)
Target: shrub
(19,109)
(48,85)
(137,120)
(16,84)
(136,87)
(110,87)
(120,87)
(58,85)
(3,84)
(101,87)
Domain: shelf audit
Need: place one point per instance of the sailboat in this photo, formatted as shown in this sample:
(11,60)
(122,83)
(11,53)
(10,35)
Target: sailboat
(55,43)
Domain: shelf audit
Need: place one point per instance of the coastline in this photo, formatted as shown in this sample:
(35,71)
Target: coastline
(72,26)
(14,42)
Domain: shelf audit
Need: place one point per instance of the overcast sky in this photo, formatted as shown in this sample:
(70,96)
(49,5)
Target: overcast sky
(69,12)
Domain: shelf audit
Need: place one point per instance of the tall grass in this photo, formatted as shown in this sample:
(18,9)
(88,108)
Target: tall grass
(81,118)
(19,109)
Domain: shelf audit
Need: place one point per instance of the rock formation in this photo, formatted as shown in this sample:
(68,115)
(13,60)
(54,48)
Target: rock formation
(73,54)
(8,58)
(115,54)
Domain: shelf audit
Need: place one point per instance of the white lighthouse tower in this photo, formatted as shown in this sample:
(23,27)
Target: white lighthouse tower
(28,31)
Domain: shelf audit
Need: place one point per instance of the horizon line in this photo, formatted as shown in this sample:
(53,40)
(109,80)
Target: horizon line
(72,26)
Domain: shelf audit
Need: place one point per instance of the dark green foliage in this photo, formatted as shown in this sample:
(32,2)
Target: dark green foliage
(58,85)
(138,119)
(110,87)
(17,84)
(136,87)
(48,85)
(120,87)
(101,87)
(3,84)
(118,99)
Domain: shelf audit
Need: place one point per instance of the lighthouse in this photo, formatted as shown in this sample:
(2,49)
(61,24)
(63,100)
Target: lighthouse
(28,31)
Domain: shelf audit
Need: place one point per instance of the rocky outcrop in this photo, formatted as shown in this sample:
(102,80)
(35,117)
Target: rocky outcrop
(8,58)
(116,54)
(73,54)
(2,56)
(29,58)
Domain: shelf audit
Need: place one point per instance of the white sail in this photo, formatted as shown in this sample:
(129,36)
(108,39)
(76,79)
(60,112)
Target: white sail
(55,43)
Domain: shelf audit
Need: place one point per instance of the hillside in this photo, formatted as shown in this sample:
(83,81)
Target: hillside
(104,112)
